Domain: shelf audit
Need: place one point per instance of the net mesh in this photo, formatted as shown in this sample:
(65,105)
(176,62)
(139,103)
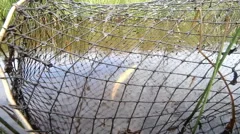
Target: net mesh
(121,69)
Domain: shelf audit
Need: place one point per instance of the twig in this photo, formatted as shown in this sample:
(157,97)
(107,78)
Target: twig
(200,30)
(219,62)
(204,97)
(229,91)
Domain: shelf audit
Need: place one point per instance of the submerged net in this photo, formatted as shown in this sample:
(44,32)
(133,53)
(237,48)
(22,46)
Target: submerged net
(121,69)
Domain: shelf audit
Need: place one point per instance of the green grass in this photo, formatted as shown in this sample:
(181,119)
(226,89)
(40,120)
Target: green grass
(5,5)
(111,1)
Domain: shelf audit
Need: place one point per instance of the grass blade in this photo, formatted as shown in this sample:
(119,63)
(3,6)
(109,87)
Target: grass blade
(216,69)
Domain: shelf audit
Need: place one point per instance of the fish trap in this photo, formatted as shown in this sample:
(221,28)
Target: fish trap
(129,68)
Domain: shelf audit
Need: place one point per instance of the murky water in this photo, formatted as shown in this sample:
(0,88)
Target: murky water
(112,91)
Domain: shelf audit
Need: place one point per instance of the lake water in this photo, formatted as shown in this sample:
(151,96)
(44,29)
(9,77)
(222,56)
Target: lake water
(112,91)
(105,91)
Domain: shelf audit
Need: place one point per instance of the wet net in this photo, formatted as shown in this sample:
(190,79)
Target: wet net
(123,69)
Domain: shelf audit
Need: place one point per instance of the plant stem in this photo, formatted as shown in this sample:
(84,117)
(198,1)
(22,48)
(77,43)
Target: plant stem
(216,69)
(229,91)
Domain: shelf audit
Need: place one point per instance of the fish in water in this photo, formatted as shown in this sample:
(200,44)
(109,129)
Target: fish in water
(121,79)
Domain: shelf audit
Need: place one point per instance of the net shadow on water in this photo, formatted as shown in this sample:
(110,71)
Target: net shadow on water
(80,68)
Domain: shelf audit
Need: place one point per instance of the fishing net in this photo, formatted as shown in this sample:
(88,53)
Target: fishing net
(132,68)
